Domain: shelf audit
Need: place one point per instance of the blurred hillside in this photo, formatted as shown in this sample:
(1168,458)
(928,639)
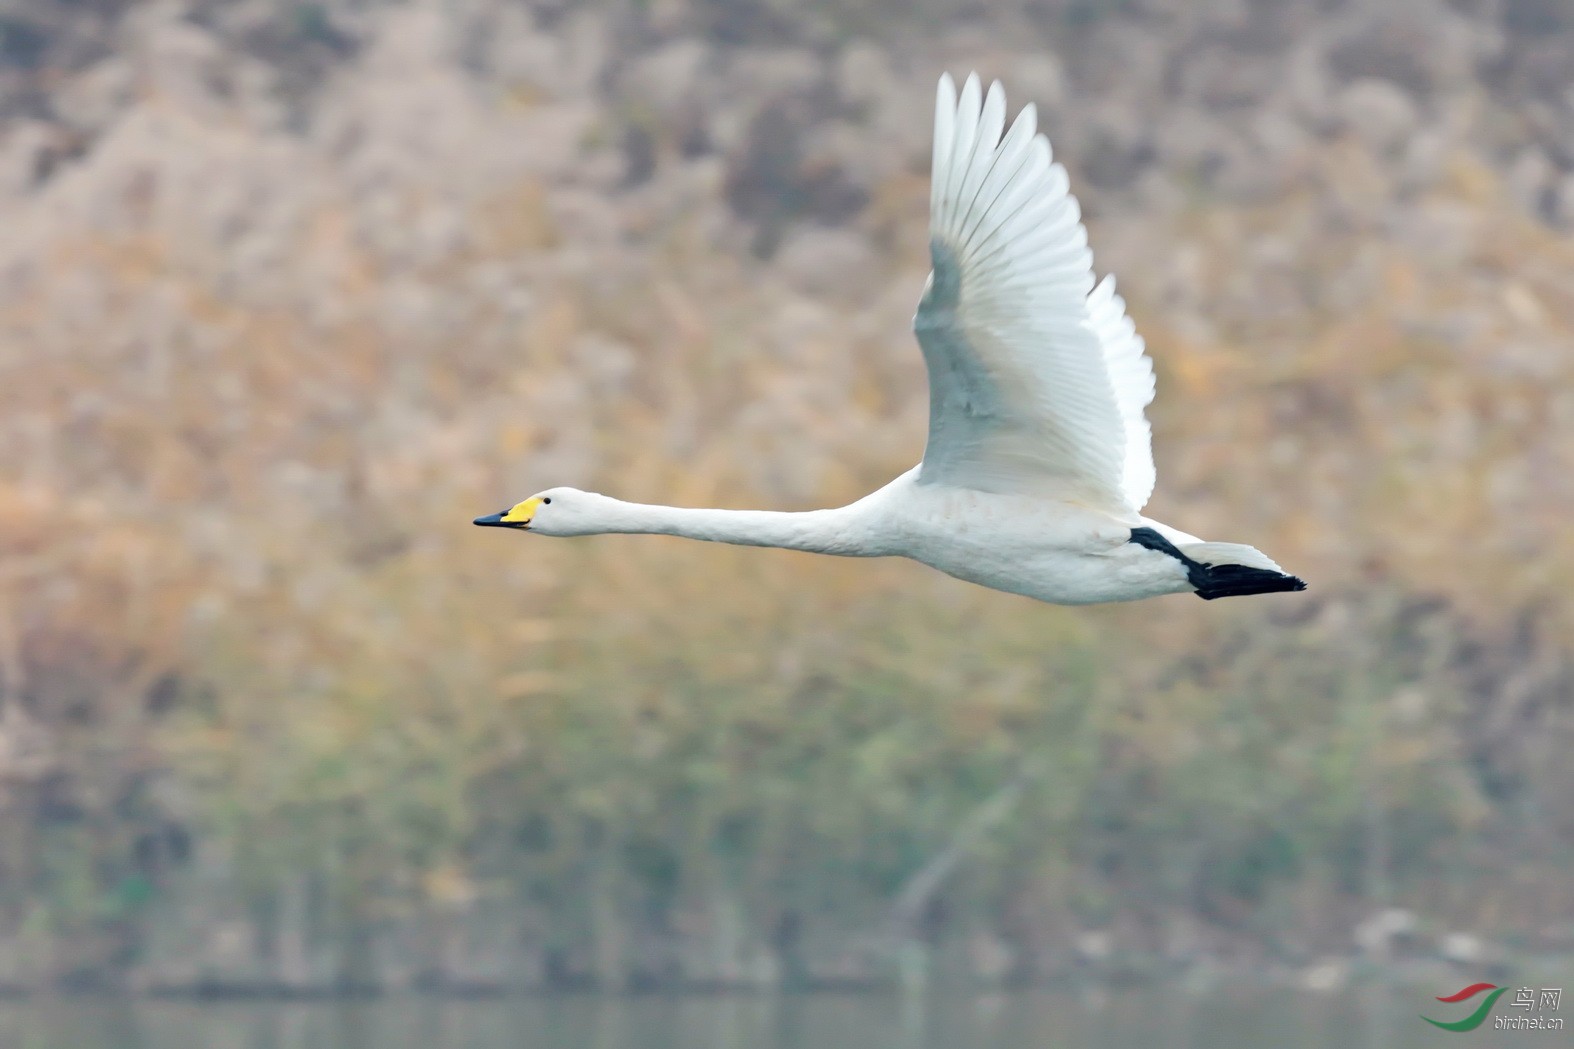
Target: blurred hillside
(289,293)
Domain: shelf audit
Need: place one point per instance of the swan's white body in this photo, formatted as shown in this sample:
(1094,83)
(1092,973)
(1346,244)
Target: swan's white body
(1038,461)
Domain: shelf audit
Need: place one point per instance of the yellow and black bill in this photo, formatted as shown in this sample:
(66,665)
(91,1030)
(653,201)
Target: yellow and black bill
(516,516)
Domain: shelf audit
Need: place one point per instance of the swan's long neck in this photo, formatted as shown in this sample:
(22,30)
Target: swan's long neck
(837,531)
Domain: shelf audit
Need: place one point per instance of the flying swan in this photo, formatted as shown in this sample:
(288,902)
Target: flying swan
(1038,461)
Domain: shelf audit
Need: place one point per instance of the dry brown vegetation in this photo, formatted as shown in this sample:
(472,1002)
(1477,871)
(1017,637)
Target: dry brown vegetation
(284,303)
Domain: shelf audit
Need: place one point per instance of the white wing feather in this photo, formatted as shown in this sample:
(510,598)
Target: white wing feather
(1131,375)
(1037,379)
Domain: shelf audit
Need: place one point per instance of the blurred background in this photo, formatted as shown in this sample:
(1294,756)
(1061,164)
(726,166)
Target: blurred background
(289,292)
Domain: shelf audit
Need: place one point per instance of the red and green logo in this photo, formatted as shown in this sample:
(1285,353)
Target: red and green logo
(1477,1018)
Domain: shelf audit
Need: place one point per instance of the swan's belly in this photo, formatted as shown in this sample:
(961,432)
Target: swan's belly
(1055,552)
(1065,577)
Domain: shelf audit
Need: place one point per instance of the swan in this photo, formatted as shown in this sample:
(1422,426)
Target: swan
(1038,460)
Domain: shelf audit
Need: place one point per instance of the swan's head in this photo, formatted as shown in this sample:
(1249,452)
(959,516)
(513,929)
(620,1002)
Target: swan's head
(556,511)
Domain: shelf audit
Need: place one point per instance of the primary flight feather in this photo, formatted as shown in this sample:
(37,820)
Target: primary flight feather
(1039,457)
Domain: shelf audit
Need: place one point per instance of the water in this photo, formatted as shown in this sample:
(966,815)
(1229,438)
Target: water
(1383,1018)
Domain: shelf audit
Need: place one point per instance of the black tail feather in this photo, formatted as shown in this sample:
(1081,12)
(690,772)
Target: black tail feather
(1214,581)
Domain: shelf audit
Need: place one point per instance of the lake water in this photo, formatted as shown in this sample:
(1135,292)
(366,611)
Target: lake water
(1384,1018)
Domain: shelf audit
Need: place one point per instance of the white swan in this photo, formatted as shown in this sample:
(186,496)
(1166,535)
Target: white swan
(1038,461)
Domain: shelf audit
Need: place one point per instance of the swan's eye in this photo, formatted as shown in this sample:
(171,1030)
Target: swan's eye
(547,500)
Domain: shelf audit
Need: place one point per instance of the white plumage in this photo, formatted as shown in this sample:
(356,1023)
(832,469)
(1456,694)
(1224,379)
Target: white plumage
(1046,382)
(1039,455)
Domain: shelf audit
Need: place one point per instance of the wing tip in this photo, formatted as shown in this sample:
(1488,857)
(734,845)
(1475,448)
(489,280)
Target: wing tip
(1027,116)
(971,99)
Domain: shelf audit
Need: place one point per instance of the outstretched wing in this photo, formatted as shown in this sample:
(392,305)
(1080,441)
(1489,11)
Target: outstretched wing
(1037,379)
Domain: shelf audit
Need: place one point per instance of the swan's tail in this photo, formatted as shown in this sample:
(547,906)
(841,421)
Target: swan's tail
(1234,570)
